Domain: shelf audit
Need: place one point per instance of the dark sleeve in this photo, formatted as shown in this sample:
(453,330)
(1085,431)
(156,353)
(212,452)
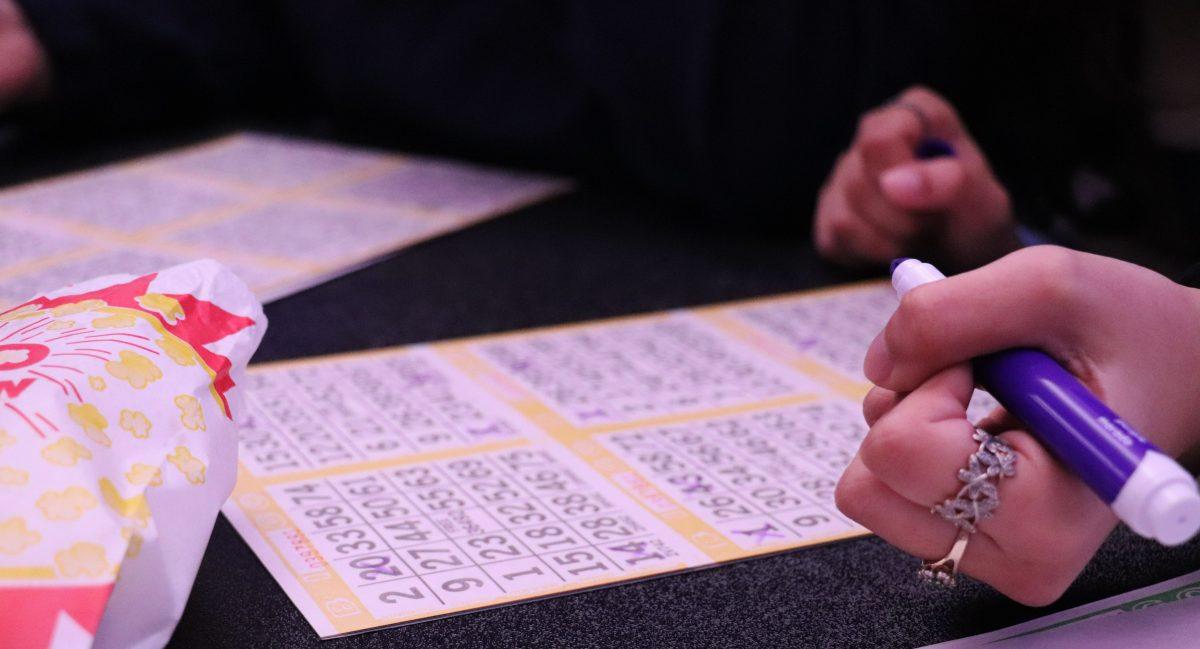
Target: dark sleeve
(140,63)
(1191,277)
(743,106)
(736,107)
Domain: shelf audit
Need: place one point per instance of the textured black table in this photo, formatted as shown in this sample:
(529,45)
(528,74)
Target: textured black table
(596,253)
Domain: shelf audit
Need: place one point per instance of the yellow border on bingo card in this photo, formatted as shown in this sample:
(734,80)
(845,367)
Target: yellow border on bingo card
(342,608)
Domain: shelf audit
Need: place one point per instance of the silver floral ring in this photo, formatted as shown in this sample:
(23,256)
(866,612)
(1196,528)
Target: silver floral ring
(975,501)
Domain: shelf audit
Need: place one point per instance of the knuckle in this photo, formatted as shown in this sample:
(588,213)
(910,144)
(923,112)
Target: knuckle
(851,495)
(888,441)
(938,109)
(1055,276)
(875,135)
(843,496)
(924,94)
(841,225)
(876,126)
(913,330)
(877,402)
(854,184)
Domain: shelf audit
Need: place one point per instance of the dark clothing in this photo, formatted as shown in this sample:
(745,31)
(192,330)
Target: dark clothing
(1191,277)
(736,106)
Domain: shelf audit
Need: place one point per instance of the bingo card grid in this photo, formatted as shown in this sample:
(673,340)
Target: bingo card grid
(283,213)
(706,488)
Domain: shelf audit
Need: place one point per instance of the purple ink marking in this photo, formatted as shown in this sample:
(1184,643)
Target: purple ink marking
(697,485)
(592,414)
(492,429)
(420,378)
(760,534)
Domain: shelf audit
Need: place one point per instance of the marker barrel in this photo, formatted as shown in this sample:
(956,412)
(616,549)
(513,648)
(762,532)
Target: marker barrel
(1146,489)
(1083,433)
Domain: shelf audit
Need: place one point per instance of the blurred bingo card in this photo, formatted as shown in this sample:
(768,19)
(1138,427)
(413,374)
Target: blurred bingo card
(411,483)
(284,214)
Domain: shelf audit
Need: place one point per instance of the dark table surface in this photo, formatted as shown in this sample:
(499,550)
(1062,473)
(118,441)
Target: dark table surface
(601,252)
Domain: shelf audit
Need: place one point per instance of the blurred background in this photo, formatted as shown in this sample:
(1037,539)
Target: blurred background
(698,133)
(734,111)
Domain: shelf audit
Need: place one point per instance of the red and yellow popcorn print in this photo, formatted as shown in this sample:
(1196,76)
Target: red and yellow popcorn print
(105,395)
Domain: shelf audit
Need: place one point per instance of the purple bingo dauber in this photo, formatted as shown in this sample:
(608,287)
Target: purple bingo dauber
(1146,489)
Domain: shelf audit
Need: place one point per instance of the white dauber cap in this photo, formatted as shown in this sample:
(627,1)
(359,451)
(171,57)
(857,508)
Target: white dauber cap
(1160,501)
(908,273)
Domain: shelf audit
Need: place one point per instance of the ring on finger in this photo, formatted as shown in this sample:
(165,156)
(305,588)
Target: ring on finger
(975,501)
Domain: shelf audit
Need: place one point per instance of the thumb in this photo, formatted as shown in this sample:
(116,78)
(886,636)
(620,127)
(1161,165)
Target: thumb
(924,185)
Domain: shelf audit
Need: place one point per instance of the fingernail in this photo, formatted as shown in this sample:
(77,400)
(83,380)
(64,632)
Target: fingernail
(903,180)
(878,363)
(934,147)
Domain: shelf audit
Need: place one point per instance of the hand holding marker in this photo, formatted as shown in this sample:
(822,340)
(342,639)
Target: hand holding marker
(1146,489)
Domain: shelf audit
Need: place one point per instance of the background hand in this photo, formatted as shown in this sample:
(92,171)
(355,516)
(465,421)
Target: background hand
(881,202)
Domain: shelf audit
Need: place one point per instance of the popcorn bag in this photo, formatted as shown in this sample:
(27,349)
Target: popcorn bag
(117,449)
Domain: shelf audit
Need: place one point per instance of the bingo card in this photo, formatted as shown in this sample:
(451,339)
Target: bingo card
(404,484)
(284,214)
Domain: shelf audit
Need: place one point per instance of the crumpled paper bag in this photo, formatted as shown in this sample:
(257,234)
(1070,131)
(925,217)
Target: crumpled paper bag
(117,449)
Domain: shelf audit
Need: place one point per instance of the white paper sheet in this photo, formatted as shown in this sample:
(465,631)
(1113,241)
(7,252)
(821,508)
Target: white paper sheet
(398,485)
(1163,615)
(284,214)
